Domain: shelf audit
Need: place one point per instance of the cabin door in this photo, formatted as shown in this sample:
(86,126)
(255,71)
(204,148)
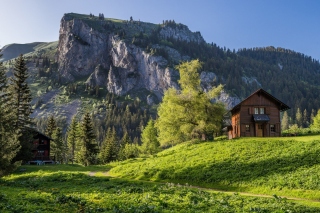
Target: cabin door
(260,130)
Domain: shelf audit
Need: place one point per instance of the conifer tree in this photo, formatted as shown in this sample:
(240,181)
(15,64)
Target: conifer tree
(72,137)
(20,103)
(20,94)
(57,145)
(123,149)
(305,122)
(150,143)
(299,117)
(285,121)
(9,143)
(316,122)
(109,148)
(88,148)
(51,126)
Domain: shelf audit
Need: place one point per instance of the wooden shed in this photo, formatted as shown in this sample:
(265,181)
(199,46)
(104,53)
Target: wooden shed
(257,116)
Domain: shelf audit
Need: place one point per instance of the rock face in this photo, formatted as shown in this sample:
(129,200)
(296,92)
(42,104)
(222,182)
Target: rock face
(80,49)
(208,80)
(120,66)
(182,33)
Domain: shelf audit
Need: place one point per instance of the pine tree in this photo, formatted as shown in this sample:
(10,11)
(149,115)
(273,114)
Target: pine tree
(20,94)
(312,115)
(20,103)
(72,137)
(57,145)
(285,121)
(51,126)
(316,122)
(9,144)
(88,148)
(123,149)
(150,143)
(109,148)
(305,122)
(299,117)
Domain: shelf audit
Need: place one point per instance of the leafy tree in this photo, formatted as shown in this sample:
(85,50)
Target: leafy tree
(316,121)
(9,143)
(150,143)
(51,126)
(72,137)
(58,148)
(285,121)
(189,113)
(299,118)
(88,149)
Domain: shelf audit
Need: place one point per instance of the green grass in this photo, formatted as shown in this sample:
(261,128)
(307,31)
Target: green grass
(282,166)
(69,188)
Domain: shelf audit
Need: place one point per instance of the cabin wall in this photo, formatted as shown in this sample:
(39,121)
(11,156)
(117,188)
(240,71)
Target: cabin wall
(244,117)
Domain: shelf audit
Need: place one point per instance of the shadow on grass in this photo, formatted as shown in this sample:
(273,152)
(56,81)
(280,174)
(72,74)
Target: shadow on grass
(232,173)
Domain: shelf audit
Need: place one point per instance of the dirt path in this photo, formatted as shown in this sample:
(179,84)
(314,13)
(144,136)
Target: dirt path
(107,174)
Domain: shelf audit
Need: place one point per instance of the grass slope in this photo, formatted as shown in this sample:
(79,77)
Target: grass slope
(72,188)
(11,51)
(282,166)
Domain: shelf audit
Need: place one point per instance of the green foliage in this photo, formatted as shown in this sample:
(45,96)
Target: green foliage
(188,113)
(69,189)
(58,148)
(285,166)
(51,126)
(72,138)
(150,143)
(87,146)
(109,148)
(285,121)
(316,122)
(9,144)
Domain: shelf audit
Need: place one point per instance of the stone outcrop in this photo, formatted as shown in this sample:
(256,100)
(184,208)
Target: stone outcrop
(119,66)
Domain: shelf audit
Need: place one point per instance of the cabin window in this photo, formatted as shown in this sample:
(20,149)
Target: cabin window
(272,128)
(247,128)
(256,110)
(41,142)
(261,110)
(40,153)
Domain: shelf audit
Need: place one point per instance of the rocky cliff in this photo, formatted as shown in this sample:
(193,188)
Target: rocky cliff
(108,60)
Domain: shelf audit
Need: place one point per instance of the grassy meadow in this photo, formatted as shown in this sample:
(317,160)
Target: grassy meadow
(276,167)
(287,166)
(73,188)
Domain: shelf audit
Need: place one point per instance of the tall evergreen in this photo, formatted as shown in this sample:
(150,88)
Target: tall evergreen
(285,121)
(299,118)
(72,137)
(51,126)
(21,94)
(58,148)
(88,148)
(109,148)
(9,144)
(20,103)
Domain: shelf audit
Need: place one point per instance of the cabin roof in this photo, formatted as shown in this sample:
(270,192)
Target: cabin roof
(283,106)
(38,133)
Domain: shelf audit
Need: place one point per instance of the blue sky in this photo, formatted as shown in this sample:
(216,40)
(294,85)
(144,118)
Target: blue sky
(234,24)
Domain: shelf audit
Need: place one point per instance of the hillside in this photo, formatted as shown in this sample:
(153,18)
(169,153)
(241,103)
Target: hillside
(73,188)
(134,61)
(282,166)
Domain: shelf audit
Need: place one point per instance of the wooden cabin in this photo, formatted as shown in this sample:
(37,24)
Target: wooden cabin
(40,148)
(257,116)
